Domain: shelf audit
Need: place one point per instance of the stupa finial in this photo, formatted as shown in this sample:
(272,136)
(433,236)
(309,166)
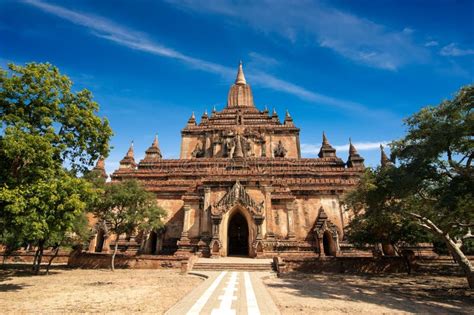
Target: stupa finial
(240,79)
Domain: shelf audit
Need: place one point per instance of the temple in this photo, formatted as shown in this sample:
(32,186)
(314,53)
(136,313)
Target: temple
(241,187)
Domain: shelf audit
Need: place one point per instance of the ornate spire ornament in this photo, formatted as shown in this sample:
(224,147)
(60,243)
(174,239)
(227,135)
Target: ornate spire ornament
(129,160)
(153,153)
(354,160)
(325,139)
(192,120)
(100,167)
(384,160)
(240,94)
(240,79)
(352,149)
(204,117)
(288,120)
(326,150)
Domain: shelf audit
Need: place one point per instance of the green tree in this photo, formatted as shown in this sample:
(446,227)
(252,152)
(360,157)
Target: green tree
(127,207)
(39,100)
(433,183)
(45,126)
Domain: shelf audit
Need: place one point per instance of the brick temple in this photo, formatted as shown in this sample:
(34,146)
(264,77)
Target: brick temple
(241,187)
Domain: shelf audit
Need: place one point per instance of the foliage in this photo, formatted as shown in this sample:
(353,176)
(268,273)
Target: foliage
(46,126)
(436,161)
(126,207)
(431,187)
(380,214)
(39,100)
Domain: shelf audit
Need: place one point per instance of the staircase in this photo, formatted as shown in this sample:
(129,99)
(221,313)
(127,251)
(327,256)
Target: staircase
(232,264)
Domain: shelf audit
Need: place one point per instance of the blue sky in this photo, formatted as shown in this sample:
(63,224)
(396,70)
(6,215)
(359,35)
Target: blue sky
(350,68)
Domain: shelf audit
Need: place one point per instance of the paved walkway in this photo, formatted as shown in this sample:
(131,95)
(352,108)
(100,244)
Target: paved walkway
(228,292)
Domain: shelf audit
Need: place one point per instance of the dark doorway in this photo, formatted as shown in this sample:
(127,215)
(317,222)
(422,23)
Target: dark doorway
(99,241)
(238,236)
(328,244)
(153,242)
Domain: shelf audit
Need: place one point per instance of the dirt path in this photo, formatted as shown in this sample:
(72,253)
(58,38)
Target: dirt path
(79,291)
(336,294)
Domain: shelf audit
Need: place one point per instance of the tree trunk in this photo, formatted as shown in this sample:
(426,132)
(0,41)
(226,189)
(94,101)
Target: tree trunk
(40,256)
(35,259)
(56,251)
(406,258)
(112,261)
(455,251)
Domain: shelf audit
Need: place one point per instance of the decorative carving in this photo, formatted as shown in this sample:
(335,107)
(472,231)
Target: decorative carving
(280,150)
(229,147)
(237,195)
(198,151)
(323,224)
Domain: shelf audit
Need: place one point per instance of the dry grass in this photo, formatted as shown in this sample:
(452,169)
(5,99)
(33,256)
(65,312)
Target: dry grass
(387,294)
(93,291)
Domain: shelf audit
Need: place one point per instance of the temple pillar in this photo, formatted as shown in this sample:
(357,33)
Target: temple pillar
(208,146)
(321,246)
(205,213)
(258,221)
(268,211)
(216,244)
(291,208)
(185,248)
(186,222)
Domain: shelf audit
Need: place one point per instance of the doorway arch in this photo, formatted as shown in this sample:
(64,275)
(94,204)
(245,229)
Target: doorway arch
(100,239)
(329,245)
(238,236)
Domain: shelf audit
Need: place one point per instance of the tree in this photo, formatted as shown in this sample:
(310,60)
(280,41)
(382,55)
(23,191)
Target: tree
(126,207)
(379,213)
(433,183)
(39,100)
(45,127)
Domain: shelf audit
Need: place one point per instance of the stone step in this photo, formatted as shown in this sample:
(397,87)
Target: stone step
(230,266)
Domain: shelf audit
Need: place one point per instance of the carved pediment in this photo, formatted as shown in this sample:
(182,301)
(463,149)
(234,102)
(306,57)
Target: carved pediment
(237,195)
(323,224)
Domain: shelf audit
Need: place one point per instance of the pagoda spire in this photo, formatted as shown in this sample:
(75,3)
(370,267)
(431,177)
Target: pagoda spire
(288,120)
(153,153)
(384,160)
(240,79)
(192,120)
(325,139)
(131,152)
(352,149)
(240,94)
(155,142)
(354,159)
(326,149)
(100,167)
(129,160)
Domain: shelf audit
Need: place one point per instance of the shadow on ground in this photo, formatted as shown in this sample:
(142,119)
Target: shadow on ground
(11,271)
(397,292)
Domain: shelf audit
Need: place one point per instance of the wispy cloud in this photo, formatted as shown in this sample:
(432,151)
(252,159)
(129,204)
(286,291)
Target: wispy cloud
(349,35)
(312,149)
(262,60)
(431,43)
(452,50)
(133,39)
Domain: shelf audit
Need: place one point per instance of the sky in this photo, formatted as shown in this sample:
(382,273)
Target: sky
(349,68)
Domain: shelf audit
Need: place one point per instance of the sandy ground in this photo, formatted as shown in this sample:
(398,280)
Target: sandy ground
(388,294)
(93,291)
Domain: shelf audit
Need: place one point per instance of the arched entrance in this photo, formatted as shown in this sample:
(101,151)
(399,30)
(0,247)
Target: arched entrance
(99,245)
(328,244)
(153,242)
(238,236)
